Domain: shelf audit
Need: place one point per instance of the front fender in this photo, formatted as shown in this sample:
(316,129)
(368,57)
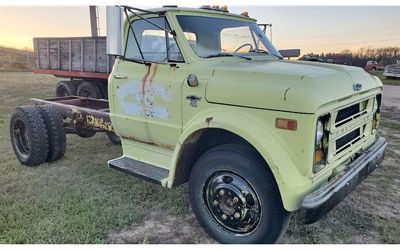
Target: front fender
(291,183)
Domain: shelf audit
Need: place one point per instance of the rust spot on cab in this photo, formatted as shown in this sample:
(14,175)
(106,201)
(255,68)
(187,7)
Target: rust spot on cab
(208,120)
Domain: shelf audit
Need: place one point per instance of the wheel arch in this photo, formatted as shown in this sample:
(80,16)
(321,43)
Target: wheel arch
(234,127)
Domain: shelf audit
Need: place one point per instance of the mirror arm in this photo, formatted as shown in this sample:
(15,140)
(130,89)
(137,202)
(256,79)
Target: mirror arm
(172,32)
(133,33)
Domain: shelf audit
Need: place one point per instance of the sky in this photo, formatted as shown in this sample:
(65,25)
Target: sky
(309,28)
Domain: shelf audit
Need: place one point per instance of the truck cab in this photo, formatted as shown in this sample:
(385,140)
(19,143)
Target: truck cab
(195,84)
(202,96)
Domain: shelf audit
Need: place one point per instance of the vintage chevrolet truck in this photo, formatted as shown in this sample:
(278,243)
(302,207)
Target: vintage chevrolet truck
(202,96)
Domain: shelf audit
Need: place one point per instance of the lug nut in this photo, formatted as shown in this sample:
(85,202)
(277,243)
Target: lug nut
(224,216)
(215,203)
(235,199)
(221,192)
(237,215)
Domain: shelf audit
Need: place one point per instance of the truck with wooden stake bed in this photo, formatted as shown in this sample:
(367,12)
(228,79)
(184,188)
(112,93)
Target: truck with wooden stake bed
(81,62)
(202,96)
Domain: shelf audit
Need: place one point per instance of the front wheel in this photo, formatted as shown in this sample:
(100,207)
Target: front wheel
(235,197)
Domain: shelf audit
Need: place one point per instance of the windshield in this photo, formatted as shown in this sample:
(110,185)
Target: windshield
(210,36)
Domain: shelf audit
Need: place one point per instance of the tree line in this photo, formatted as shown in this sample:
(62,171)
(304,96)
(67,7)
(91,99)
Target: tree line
(387,55)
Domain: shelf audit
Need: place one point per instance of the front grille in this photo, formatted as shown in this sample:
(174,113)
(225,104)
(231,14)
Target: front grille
(350,125)
(350,113)
(345,113)
(346,141)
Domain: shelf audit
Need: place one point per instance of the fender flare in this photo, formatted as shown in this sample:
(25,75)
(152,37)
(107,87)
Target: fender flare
(250,129)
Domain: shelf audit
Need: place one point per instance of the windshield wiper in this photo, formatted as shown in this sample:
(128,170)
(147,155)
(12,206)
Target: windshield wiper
(228,54)
(264,52)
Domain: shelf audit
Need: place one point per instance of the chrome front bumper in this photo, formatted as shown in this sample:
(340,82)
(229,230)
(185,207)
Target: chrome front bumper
(320,202)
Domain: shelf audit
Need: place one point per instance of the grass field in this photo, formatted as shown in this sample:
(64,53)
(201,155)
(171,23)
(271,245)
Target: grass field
(80,200)
(386,80)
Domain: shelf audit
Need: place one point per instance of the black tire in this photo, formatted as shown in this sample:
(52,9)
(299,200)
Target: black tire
(66,88)
(90,90)
(55,129)
(104,90)
(246,167)
(29,136)
(114,138)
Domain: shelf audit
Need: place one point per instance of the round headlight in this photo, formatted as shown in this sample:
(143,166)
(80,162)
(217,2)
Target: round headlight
(319,133)
(375,107)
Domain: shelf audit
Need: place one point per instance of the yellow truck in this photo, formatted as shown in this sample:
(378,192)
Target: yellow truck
(202,96)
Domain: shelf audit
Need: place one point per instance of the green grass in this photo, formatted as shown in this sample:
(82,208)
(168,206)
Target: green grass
(80,200)
(386,80)
(77,199)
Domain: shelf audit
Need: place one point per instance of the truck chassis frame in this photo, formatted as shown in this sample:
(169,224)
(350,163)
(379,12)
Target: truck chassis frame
(81,115)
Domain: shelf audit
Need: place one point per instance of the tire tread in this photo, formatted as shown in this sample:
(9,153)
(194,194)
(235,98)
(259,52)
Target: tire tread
(57,139)
(37,134)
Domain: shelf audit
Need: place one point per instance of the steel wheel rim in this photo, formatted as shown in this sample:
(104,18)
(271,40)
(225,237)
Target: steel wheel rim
(232,202)
(21,138)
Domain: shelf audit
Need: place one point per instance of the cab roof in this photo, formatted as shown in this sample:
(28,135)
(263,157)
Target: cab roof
(197,10)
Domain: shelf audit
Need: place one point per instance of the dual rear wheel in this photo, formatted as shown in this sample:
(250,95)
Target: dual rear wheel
(37,135)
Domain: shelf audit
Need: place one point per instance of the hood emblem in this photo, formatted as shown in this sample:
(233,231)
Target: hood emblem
(357,86)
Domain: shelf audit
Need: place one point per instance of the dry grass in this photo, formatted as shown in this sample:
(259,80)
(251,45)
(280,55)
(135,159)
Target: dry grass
(16,60)
(80,200)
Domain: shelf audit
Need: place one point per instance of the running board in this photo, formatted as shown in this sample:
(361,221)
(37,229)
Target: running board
(139,169)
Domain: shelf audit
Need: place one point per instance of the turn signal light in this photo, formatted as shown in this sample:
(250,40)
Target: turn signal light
(287,124)
(318,156)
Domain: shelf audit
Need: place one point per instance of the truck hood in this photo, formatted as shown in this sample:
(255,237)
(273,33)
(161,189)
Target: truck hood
(294,86)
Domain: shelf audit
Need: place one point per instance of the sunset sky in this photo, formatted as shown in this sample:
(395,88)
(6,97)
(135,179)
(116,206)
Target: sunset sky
(312,29)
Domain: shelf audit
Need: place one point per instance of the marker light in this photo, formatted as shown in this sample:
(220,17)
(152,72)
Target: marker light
(287,124)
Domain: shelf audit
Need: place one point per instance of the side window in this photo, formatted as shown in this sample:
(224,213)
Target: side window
(155,44)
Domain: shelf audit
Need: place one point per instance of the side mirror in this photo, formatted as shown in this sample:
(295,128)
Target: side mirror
(290,52)
(114,30)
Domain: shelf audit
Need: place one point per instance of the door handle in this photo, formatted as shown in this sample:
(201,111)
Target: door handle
(120,76)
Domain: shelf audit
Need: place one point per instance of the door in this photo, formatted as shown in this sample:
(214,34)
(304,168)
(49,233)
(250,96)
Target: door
(147,86)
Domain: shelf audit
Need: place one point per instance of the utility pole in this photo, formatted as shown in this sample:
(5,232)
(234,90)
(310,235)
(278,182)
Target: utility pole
(94,21)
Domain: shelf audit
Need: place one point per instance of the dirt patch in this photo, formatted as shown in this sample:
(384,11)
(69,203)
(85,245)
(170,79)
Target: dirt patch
(391,96)
(159,227)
